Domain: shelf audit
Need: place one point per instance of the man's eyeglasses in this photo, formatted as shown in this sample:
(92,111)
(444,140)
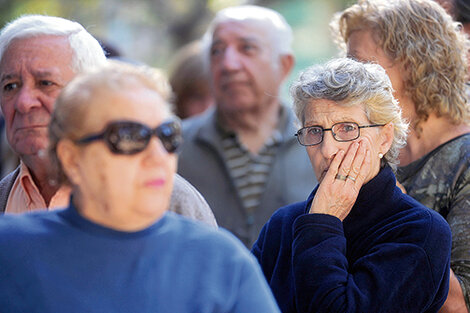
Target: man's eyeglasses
(344,131)
(127,137)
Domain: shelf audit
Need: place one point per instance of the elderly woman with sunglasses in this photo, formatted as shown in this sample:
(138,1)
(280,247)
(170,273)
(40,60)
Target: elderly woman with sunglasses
(115,248)
(357,244)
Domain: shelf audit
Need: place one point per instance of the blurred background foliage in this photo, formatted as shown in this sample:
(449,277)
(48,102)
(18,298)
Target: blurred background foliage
(151,31)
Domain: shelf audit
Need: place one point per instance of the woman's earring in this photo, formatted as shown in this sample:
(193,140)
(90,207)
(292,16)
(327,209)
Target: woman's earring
(381,155)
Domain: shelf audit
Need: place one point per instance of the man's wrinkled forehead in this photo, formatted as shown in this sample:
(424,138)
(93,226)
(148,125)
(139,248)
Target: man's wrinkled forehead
(46,57)
(37,41)
(245,30)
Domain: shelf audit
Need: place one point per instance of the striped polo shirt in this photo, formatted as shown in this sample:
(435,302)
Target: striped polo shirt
(249,171)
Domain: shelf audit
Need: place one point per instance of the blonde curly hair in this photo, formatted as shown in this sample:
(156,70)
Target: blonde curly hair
(428,45)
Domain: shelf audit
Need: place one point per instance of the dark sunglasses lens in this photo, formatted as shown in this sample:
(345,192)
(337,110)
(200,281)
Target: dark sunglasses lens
(170,135)
(128,137)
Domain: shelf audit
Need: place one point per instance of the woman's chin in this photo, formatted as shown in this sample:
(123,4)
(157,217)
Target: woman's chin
(153,202)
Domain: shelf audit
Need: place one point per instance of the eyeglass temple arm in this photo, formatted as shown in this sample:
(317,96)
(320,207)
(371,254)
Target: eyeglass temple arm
(368,126)
(90,138)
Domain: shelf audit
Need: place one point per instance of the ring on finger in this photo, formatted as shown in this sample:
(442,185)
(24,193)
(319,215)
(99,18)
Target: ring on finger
(341,177)
(351,178)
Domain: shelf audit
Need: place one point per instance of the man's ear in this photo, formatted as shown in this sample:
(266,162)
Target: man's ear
(287,64)
(68,154)
(387,135)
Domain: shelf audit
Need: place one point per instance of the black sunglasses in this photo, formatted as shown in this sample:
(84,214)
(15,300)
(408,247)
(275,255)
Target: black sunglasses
(127,137)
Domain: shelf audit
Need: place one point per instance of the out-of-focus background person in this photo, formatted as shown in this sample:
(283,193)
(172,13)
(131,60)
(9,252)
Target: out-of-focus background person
(358,244)
(113,140)
(189,79)
(460,11)
(424,53)
(242,155)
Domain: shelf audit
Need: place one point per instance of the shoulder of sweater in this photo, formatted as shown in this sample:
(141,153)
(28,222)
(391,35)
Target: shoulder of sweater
(20,226)
(5,187)
(186,200)
(10,178)
(433,225)
(195,233)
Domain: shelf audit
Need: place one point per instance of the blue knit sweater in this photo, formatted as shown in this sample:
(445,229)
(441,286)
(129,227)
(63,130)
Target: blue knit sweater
(390,254)
(61,262)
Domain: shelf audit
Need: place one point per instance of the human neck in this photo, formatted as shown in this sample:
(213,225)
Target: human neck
(39,168)
(113,215)
(253,127)
(435,132)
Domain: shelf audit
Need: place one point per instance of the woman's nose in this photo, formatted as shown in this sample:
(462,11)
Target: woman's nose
(329,146)
(155,151)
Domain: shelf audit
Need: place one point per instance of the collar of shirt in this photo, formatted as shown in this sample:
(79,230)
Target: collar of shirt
(273,140)
(25,196)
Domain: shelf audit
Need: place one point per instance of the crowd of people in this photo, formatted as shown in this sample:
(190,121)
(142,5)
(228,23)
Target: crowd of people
(206,192)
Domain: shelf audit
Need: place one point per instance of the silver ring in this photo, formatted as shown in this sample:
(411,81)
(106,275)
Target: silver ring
(341,177)
(351,178)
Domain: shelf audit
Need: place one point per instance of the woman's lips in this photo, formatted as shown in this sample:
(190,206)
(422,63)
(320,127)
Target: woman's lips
(158,182)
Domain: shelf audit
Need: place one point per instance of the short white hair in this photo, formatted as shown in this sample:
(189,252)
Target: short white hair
(280,32)
(351,83)
(87,52)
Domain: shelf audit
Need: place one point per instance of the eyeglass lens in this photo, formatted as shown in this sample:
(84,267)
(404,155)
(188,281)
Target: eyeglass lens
(341,132)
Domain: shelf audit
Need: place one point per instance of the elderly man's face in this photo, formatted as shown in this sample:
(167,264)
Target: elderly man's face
(32,73)
(245,72)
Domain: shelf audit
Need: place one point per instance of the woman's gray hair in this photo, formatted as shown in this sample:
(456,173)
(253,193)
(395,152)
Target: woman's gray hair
(87,52)
(277,28)
(351,83)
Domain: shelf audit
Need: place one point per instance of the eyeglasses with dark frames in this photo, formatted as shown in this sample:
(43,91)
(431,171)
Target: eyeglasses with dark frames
(129,137)
(342,132)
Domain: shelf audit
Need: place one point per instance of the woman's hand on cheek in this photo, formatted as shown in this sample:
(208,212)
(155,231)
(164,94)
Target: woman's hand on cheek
(339,188)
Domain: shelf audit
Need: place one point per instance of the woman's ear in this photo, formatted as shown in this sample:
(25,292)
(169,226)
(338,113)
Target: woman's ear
(68,154)
(387,135)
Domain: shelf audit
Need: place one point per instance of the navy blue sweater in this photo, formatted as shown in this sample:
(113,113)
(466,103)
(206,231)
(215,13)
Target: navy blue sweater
(58,261)
(390,254)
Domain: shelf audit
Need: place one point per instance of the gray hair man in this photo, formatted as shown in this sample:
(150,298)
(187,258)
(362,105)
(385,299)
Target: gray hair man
(39,55)
(242,155)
